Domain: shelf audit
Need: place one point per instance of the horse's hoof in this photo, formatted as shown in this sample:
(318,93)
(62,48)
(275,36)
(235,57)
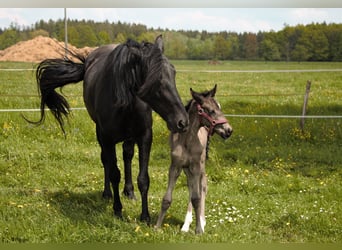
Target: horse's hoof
(129,194)
(107,195)
(145,218)
(118,214)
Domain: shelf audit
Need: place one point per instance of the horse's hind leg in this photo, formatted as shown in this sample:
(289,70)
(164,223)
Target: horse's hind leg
(111,172)
(174,173)
(128,152)
(107,192)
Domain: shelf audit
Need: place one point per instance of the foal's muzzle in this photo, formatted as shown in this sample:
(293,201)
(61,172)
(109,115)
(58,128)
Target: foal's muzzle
(227,133)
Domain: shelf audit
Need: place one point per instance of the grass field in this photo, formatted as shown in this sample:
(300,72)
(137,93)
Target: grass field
(270,182)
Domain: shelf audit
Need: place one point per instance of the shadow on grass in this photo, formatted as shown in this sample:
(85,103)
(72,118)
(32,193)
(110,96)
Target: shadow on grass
(86,207)
(169,220)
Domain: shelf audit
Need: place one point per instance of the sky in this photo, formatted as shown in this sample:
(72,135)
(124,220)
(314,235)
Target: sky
(209,19)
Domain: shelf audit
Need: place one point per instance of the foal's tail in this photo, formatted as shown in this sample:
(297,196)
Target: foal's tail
(56,73)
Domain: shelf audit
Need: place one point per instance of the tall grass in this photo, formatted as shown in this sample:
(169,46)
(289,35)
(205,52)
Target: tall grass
(270,182)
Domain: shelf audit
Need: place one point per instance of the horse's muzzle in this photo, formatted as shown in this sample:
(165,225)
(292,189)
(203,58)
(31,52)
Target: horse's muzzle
(182,125)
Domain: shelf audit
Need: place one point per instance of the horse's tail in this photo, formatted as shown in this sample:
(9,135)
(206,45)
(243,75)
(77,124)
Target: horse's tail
(56,73)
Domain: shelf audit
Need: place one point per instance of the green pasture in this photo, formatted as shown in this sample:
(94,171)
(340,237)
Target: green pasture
(270,182)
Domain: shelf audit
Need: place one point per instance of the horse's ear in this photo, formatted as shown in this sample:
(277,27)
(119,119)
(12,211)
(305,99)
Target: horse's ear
(213,91)
(159,43)
(197,97)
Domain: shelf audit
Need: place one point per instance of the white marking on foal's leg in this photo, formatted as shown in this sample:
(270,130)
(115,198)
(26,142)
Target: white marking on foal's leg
(203,222)
(188,219)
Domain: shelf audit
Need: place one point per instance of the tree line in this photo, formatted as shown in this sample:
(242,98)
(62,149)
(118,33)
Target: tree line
(312,42)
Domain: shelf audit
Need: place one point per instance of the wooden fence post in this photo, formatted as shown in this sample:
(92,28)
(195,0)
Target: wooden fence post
(305,105)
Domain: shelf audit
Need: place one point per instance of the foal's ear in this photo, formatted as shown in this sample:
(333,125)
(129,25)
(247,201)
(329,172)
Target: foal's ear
(213,91)
(197,97)
(159,43)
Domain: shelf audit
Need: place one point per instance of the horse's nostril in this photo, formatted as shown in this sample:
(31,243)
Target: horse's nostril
(181,125)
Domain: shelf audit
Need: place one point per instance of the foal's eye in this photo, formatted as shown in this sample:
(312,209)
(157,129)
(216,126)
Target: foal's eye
(212,112)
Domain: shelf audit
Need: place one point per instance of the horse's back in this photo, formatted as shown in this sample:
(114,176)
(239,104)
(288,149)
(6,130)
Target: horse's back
(95,71)
(97,57)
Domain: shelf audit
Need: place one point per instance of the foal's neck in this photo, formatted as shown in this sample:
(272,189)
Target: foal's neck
(196,132)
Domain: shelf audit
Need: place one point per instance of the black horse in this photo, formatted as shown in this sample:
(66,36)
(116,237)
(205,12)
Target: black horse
(120,86)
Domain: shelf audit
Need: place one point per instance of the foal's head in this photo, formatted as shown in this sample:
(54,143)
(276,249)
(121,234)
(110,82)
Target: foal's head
(210,114)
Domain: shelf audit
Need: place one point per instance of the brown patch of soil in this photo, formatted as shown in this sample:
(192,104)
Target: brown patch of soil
(38,49)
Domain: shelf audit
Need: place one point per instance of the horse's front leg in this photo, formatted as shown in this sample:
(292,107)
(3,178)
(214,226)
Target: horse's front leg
(128,152)
(144,146)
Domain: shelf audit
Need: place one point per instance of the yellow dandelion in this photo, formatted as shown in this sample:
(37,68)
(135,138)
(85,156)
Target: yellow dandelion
(7,126)
(137,229)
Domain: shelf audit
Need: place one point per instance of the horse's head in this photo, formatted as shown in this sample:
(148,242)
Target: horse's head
(158,88)
(210,114)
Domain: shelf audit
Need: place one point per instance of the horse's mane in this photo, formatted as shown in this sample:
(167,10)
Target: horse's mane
(154,61)
(135,67)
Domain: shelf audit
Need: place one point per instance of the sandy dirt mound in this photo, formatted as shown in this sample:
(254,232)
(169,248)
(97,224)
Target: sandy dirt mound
(38,49)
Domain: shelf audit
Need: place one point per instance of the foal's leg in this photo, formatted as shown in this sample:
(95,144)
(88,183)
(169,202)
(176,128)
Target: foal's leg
(195,189)
(128,152)
(188,218)
(204,189)
(174,173)
(144,145)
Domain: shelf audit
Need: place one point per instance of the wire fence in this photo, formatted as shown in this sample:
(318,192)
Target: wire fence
(21,110)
